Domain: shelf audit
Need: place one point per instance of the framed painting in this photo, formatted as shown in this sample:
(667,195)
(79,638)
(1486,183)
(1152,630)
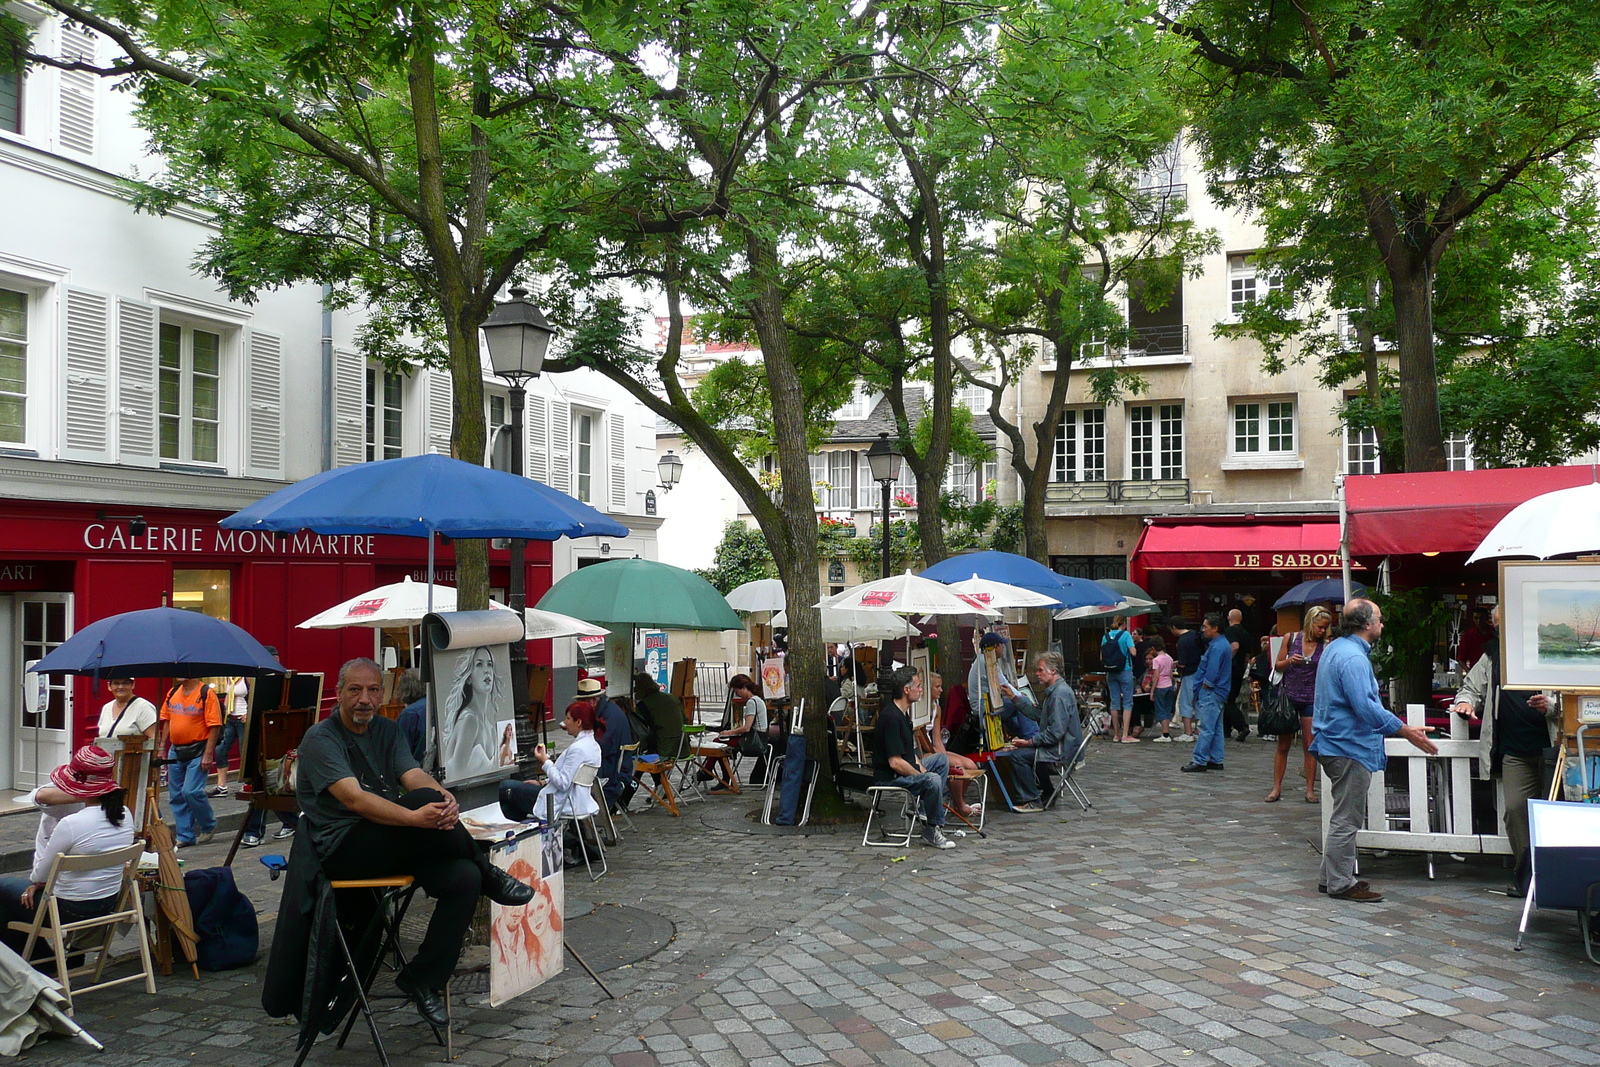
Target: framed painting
(1551,634)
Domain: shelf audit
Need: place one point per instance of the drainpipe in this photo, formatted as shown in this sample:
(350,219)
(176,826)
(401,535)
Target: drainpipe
(327,377)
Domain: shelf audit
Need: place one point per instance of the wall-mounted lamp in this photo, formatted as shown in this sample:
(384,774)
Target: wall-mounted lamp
(136,524)
(669,468)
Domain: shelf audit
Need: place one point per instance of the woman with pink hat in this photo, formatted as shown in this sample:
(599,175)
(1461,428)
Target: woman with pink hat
(81,813)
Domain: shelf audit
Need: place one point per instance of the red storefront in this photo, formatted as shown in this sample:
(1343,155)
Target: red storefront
(63,566)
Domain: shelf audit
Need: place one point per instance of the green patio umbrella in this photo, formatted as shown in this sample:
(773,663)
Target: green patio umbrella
(641,592)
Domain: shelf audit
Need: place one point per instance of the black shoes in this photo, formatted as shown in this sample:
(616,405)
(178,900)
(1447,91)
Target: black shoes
(1214,767)
(430,1005)
(503,889)
(1193,768)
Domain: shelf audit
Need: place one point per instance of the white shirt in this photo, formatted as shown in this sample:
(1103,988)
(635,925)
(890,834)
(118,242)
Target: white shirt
(82,833)
(560,771)
(139,717)
(241,698)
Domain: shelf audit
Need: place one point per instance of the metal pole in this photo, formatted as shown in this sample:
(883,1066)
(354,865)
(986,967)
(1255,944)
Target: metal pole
(1344,537)
(886,654)
(519,577)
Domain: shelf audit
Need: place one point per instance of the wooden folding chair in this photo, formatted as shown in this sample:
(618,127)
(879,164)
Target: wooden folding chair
(129,908)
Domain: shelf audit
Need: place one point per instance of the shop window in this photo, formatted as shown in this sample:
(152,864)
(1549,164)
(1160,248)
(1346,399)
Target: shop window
(1081,445)
(1361,450)
(190,393)
(13,366)
(207,591)
(44,628)
(1155,441)
(1263,434)
(385,414)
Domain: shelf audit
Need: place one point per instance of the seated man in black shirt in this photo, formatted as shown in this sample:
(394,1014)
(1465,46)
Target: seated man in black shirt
(894,754)
(373,813)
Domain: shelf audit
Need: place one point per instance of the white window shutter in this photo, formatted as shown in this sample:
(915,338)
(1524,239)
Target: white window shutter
(538,430)
(136,384)
(87,389)
(263,405)
(349,408)
(617,456)
(78,88)
(440,413)
(561,445)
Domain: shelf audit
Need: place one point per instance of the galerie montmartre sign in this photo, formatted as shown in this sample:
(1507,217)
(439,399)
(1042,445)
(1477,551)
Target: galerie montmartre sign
(215,541)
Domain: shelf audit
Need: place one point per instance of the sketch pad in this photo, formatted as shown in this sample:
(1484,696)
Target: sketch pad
(461,629)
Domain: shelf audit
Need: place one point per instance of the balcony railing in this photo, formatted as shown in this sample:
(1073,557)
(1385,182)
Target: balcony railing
(1158,341)
(1126,491)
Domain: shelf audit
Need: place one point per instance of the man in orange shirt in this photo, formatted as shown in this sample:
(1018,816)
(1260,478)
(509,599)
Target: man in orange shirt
(191,724)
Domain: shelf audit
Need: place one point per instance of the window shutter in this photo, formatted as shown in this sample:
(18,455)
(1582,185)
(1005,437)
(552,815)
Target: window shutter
(349,408)
(561,445)
(136,384)
(617,454)
(440,416)
(87,389)
(263,399)
(78,88)
(538,430)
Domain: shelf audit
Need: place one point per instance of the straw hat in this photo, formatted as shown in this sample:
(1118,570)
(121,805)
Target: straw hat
(590,687)
(88,775)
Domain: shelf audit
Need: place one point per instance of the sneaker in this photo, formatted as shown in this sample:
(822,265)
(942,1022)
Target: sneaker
(217,791)
(1359,885)
(1164,739)
(205,838)
(284,833)
(250,841)
(1029,808)
(1357,892)
(934,837)
(1128,740)
(1187,739)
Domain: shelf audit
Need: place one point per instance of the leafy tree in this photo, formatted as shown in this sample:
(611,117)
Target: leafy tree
(742,556)
(413,162)
(1398,122)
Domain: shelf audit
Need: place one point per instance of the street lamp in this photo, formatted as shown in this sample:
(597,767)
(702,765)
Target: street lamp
(518,336)
(669,468)
(884,463)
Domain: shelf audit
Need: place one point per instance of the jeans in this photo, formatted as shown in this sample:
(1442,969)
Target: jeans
(446,863)
(1166,699)
(517,799)
(1349,794)
(1186,694)
(1028,766)
(1208,749)
(232,734)
(12,911)
(928,787)
(1120,686)
(256,822)
(186,791)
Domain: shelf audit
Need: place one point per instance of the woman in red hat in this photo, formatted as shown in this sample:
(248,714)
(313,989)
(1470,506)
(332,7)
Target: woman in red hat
(81,813)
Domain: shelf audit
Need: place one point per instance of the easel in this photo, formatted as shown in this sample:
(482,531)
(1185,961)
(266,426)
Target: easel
(992,738)
(282,709)
(1580,712)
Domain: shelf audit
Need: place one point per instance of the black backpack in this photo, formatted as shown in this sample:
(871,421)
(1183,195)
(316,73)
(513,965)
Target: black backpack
(1112,658)
(224,920)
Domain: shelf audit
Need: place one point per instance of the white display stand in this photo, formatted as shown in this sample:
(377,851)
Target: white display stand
(1438,815)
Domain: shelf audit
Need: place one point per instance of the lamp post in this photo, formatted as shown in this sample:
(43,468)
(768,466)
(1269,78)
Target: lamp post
(518,335)
(884,463)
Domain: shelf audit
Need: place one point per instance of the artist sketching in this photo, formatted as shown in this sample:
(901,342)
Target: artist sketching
(470,715)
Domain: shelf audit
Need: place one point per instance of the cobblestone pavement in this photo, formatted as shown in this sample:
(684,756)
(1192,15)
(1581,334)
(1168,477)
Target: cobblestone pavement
(1178,922)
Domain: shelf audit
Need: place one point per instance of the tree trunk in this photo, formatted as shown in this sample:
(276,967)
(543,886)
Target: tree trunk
(467,443)
(1411,279)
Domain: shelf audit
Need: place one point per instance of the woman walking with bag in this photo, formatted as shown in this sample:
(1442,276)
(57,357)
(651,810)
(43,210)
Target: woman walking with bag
(1298,663)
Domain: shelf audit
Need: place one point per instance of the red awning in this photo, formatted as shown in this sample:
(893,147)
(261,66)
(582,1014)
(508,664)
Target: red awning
(1442,511)
(1298,546)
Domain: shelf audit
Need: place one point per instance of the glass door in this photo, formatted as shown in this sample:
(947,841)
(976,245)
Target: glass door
(43,735)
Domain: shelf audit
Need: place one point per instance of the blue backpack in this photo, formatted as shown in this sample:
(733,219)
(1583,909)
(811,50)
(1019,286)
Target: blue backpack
(1112,657)
(224,920)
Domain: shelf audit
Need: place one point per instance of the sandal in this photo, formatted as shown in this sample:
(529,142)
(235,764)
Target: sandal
(1310,799)
(1273,799)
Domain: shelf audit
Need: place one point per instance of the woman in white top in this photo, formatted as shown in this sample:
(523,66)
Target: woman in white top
(69,826)
(238,705)
(126,715)
(521,800)
(754,723)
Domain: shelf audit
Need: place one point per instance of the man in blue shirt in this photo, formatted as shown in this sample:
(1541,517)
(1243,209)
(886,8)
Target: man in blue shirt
(1348,724)
(1211,685)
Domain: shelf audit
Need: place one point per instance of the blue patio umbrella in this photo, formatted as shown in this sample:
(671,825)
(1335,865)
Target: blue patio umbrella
(421,495)
(1021,571)
(1318,591)
(160,643)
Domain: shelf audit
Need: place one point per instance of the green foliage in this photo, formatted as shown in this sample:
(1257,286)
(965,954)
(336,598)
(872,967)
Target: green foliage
(1006,536)
(1414,623)
(742,556)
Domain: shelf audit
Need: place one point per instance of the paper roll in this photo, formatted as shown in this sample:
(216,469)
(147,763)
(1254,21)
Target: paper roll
(460,629)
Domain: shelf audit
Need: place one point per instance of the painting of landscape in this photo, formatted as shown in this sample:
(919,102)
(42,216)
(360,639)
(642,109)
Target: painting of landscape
(1568,619)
